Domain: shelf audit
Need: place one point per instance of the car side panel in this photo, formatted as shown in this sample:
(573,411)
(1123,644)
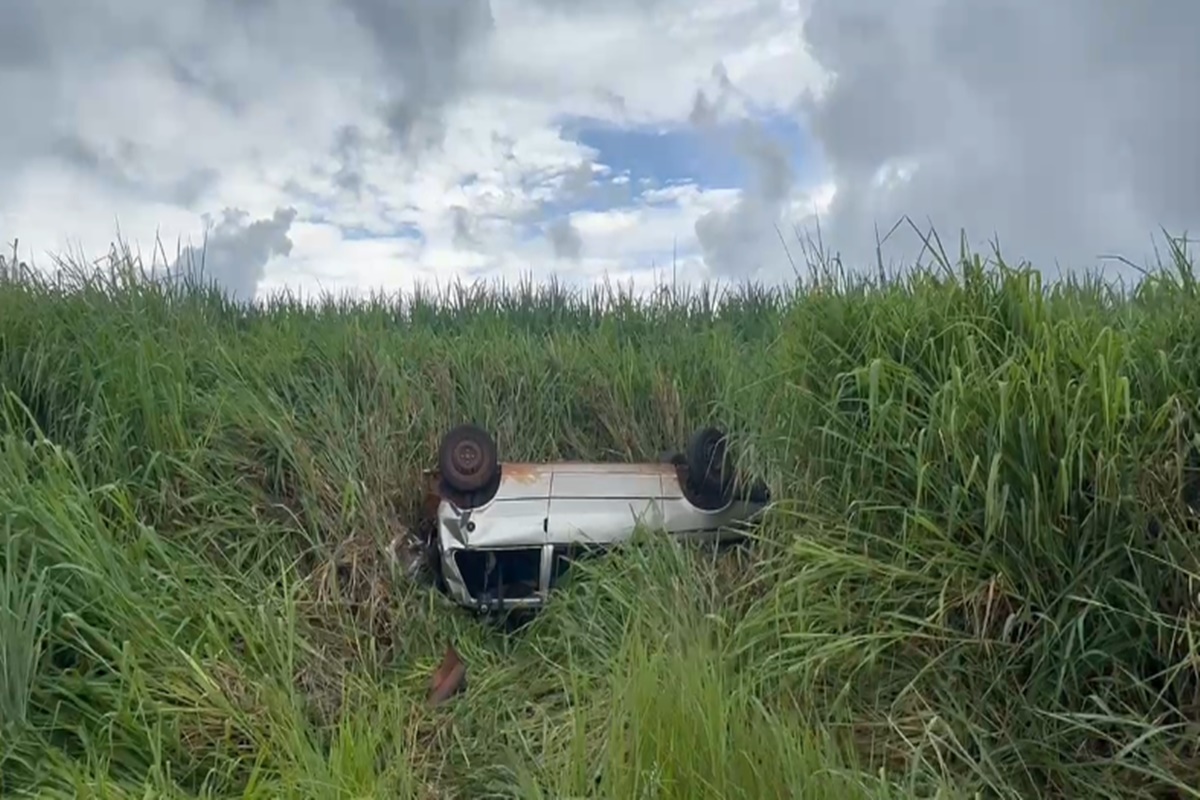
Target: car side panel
(600,521)
(590,507)
(681,518)
(501,523)
(571,485)
(520,481)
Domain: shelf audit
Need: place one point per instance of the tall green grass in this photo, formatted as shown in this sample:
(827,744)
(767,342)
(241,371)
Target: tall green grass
(979,578)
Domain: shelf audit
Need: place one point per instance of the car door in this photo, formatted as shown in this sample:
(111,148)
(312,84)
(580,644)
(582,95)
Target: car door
(601,504)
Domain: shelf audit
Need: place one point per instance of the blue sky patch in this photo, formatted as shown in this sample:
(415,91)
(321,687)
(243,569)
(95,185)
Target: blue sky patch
(683,153)
(654,157)
(405,230)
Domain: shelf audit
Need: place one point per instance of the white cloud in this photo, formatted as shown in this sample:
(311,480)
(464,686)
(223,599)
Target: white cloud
(324,261)
(1060,127)
(418,140)
(258,107)
(156,117)
(643,63)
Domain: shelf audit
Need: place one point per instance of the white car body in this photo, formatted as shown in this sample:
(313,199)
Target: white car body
(507,552)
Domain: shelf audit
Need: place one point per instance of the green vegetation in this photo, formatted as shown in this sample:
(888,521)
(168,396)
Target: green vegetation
(979,579)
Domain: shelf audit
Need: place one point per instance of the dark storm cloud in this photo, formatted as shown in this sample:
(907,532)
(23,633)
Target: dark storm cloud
(194,76)
(745,237)
(120,170)
(464,228)
(565,239)
(424,46)
(236,251)
(414,53)
(347,150)
(22,37)
(1066,129)
(707,111)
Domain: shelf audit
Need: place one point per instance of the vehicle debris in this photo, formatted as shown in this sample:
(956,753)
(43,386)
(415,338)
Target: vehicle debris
(448,679)
(500,535)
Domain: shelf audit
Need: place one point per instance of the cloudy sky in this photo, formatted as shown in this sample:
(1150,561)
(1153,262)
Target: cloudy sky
(349,145)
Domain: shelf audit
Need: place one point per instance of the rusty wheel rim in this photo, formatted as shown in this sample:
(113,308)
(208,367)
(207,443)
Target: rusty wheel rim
(467,458)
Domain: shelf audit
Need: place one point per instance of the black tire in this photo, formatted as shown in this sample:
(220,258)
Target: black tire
(468,459)
(708,461)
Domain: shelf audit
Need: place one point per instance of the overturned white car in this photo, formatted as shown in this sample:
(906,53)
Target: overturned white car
(500,535)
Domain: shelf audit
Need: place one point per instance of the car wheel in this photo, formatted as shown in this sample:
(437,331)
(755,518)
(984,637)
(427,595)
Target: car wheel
(708,461)
(468,459)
